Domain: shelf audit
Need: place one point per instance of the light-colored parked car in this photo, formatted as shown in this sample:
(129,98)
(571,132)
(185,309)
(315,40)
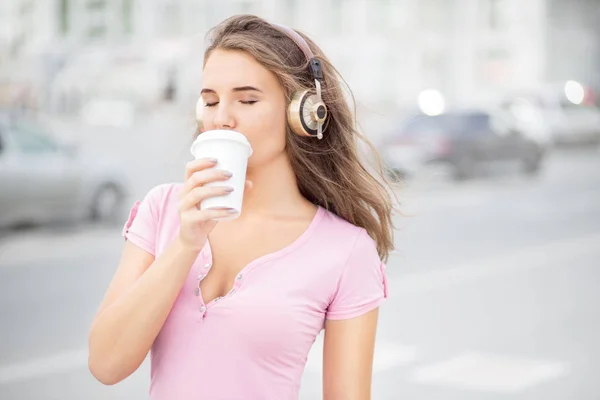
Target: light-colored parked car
(43,180)
(566,122)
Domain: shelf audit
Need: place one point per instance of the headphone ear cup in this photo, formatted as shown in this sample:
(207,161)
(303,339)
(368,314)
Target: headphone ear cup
(305,112)
(294,113)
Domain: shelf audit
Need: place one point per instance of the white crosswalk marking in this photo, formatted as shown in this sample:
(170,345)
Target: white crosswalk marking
(44,366)
(536,256)
(491,373)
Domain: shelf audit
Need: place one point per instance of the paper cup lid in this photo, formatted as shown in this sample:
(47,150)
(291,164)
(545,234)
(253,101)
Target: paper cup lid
(221,135)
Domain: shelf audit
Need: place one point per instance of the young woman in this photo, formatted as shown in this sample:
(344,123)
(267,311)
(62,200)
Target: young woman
(230,309)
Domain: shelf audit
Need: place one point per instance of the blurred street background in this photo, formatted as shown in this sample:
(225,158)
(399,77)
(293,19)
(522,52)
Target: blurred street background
(486,113)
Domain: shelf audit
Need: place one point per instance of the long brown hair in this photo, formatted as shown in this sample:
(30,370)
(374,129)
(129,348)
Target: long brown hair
(329,172)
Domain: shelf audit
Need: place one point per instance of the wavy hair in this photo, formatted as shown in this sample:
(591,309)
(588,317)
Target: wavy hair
(329,172)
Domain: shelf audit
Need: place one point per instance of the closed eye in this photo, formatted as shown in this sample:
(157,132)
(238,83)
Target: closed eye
(250,102)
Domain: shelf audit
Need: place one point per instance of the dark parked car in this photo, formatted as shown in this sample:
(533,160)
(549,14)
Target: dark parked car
(462,140)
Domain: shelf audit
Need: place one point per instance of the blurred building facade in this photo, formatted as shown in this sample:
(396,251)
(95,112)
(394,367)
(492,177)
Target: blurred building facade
(388,50)
(573,32)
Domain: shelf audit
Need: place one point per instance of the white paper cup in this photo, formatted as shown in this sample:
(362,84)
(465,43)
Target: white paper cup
(231,149)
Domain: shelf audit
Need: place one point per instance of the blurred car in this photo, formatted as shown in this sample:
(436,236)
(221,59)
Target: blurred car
(463,141)
(563,111)
(44,180)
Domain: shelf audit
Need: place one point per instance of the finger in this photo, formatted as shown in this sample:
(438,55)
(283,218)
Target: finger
(211,213)
(203,177)
(198,194)
(198,165)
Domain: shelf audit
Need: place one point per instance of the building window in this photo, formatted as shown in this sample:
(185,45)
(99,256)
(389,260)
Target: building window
(96,4)
(64,12)
(96,19)
(97,32)
(498,14)
(127,16)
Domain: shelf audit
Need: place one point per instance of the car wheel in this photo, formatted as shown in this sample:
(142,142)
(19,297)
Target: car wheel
(531,163)
(106,203)
(464,168)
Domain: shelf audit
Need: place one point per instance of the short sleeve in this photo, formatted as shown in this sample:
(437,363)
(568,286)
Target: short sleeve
(363,283)
(142,223)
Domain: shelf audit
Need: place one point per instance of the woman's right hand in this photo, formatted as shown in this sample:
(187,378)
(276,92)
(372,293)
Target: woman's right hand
(196,224)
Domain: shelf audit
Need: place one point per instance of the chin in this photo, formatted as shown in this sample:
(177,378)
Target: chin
(260,159)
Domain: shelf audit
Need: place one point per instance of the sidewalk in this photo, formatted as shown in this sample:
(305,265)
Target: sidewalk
(39,245)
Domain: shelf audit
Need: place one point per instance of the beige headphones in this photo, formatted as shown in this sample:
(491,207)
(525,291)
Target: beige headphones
(307,112)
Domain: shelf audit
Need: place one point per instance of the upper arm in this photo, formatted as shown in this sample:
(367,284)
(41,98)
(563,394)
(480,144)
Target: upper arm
(134,262)
(348,357)
(139,249)
(351,322)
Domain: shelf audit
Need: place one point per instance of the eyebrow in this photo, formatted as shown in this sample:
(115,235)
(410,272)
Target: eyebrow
(236,89)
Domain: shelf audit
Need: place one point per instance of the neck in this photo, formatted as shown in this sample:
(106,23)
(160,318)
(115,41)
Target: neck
(274,189)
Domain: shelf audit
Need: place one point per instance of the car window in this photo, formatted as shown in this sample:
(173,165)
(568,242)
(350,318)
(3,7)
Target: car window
(502,123)
(30,140)
(422,126)
(478,123)
(453,125)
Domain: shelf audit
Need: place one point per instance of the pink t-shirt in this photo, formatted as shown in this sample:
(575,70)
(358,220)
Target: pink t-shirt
(253,343)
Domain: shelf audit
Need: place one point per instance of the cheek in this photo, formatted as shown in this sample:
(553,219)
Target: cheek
(265,128)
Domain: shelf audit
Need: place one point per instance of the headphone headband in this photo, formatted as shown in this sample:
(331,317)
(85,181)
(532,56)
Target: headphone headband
(315,65)
(300,42)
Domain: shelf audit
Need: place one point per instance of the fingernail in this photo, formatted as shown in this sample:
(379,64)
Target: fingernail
(227,173)
(229,189)
(232,211)
(212,160)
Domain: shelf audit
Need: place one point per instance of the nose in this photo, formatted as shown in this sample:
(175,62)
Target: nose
(223,119)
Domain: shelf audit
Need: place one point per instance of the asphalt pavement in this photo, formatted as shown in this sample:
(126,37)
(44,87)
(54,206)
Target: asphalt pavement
(493,295)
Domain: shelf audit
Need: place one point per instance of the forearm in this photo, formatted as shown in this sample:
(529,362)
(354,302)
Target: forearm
(123,333)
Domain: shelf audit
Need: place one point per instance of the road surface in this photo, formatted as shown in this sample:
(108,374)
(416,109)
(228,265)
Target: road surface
(493,295)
